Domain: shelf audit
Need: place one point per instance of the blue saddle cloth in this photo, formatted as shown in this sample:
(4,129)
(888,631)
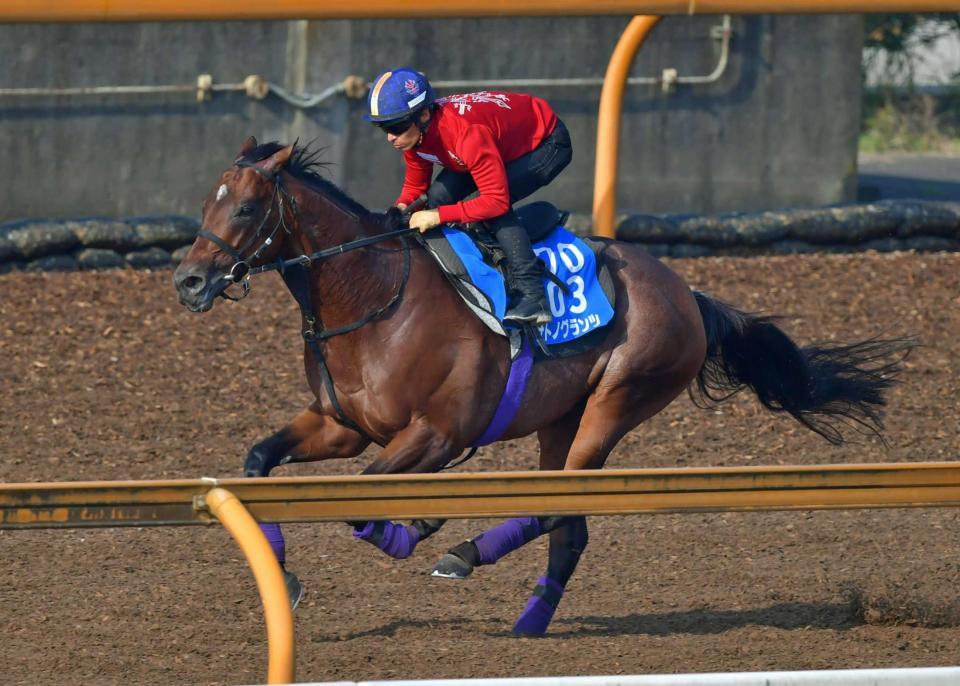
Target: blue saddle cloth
(585,308)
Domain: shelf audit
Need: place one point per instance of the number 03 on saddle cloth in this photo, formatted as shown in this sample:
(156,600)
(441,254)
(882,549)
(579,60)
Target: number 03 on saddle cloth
(581,308)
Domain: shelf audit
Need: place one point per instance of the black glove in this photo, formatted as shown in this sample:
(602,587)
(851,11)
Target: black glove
(394,219)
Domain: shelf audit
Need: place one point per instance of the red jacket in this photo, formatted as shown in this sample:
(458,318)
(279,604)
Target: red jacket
(477,133)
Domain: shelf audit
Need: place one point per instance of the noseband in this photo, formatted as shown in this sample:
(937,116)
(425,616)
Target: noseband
(241,267)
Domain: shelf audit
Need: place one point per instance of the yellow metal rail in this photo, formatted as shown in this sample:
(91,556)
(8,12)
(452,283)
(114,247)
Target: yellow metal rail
(266,570)
(498,494)
(608,124)
(182,10)
(448,496)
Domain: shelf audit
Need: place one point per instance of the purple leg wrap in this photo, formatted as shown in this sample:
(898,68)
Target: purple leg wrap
(396,540)
(275,538)
(536,616)
(506,538)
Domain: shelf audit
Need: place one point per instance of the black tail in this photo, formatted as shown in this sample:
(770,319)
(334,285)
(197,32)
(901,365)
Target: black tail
(820,386)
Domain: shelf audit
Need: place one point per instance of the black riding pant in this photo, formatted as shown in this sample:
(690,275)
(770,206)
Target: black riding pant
(525,175)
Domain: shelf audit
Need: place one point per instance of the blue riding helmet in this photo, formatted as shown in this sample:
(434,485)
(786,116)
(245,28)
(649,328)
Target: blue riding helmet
(398,94)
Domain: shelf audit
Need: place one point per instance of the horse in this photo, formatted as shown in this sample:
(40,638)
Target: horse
(394,357)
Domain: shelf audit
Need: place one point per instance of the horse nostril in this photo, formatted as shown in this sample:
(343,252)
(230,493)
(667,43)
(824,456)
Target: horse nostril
(193,284)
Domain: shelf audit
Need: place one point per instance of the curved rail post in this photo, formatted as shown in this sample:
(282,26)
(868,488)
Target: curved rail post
(273,593)
(608,123)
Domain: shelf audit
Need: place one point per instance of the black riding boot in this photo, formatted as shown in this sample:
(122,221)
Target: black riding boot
(526,272)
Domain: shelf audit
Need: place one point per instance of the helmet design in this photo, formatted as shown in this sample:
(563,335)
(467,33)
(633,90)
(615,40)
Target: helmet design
(398,94)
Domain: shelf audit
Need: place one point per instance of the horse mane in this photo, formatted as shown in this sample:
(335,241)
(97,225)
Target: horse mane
(305,165)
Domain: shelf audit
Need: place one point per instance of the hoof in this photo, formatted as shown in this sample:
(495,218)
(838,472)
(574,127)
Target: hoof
(294,588)
(452,566)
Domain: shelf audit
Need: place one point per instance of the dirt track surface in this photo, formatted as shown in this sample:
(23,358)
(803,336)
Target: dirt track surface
(105,376)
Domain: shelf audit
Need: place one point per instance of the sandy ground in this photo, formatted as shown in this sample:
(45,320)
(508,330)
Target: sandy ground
(105,376)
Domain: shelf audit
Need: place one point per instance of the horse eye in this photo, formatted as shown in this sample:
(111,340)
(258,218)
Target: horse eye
(245,210)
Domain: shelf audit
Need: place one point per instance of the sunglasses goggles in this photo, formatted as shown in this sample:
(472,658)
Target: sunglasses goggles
(396,128)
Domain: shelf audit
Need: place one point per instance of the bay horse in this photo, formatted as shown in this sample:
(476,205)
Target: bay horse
(394,357)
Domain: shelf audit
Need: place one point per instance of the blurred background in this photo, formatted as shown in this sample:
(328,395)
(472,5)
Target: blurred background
(724,113)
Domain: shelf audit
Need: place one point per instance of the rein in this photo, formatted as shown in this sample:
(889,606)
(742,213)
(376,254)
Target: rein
(307,260)
(242,269)
(294,272)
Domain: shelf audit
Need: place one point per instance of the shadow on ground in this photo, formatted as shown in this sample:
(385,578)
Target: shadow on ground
(789,616)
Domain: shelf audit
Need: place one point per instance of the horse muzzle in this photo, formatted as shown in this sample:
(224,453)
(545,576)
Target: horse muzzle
(198,286)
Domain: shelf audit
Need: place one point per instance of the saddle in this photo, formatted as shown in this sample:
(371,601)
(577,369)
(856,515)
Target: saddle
(473,262)
(537,218)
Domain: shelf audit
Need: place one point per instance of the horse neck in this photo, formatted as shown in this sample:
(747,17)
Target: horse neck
(347,286)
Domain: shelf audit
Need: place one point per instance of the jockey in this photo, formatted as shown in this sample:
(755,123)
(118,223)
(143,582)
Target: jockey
(503,146)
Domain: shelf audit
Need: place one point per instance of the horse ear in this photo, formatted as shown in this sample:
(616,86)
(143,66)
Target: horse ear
(248,145)
(277,160)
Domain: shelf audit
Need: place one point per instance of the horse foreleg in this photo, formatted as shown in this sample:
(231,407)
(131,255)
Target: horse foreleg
(418,448)
(310,436)
(485,549)
(395,539)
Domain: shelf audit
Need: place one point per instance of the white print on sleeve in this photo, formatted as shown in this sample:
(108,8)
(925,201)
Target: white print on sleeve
(464,103)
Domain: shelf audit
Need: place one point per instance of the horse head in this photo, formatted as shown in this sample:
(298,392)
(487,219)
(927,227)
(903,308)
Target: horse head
(244,220)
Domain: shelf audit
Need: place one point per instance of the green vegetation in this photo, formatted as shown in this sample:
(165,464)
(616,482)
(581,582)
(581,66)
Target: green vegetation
(911,122)
(898,116)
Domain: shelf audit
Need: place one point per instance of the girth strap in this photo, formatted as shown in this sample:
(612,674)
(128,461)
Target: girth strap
(512,396)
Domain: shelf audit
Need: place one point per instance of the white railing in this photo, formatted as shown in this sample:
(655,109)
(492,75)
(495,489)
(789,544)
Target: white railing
(925,676)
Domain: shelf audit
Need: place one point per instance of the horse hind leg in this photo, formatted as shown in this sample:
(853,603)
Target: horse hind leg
(493,544)
(608,416)
(568,540)
(568,535)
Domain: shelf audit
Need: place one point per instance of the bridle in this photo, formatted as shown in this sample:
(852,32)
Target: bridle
(241,267)
(294,273)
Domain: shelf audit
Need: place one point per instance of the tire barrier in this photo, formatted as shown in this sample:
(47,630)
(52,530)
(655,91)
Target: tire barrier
(94,244)
(884,226)
(161,242)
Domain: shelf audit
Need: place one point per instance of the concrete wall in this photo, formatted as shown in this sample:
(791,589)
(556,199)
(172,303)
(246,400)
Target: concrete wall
(778,129)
